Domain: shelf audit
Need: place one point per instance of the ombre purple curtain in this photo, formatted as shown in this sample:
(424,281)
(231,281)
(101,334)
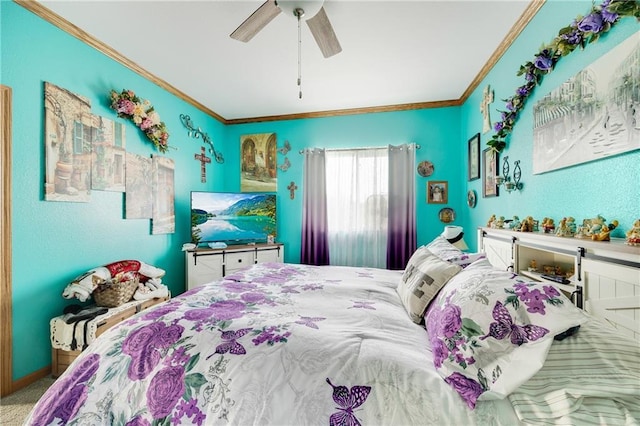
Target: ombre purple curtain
(314,249)
(401,238)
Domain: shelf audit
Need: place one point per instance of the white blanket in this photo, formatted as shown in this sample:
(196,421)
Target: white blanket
(278,344)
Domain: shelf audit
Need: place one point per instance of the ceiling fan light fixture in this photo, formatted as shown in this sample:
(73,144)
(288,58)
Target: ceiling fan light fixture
(310,7)
(313,13)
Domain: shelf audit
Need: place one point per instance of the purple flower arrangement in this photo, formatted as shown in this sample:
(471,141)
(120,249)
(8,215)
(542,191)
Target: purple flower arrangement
(581,32)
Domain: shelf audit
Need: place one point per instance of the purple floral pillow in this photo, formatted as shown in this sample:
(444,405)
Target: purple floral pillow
(490,330)
(466,259)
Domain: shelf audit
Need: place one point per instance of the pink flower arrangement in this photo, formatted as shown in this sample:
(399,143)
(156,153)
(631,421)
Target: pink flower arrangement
(128,105)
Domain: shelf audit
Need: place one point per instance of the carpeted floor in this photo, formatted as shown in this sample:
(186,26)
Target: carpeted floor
(15,408)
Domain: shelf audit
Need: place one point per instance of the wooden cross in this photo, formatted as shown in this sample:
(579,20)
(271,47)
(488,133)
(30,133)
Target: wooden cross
(487,98)
(202,157)
(292,187)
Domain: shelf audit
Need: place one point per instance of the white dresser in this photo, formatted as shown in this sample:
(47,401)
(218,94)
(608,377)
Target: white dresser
(204,265)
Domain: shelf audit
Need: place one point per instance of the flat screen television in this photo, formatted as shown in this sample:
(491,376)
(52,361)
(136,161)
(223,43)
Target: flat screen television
(232,217)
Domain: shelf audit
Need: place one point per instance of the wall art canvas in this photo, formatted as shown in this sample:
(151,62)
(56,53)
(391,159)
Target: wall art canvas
(593,115)
(164,216)
(489,172)
(138,200)
(258,168)
(474,157)
(109,155)
(68,136)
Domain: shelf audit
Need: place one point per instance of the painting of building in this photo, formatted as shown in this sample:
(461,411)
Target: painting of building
(258,163)
(593,115)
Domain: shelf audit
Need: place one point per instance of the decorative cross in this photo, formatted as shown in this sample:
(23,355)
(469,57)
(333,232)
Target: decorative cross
(292,187)
(487,98)
(202,157)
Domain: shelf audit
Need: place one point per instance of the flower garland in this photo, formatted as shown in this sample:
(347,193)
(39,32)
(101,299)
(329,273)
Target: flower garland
(143,115)
(582,31)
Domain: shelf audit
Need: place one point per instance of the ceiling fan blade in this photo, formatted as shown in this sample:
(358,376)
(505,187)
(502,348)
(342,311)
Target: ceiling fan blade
(323,33)
(257,21)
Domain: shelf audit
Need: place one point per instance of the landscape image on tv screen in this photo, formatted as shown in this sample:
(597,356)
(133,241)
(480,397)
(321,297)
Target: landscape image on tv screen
(233,218)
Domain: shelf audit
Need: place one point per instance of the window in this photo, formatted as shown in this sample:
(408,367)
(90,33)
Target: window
(357,206)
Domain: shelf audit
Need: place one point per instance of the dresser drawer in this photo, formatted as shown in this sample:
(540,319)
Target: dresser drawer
(270,255)
(236,261)
(203,268)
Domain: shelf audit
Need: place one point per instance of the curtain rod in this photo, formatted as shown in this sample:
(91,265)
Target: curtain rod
(353,149)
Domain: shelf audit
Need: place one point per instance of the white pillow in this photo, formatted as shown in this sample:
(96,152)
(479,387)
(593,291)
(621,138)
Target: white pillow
(490,331)
(443,248)
(421,281)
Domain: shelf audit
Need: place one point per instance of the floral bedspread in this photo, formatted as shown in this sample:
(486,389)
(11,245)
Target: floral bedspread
(276,344)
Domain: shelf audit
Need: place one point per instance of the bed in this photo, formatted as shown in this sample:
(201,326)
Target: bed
(285,344)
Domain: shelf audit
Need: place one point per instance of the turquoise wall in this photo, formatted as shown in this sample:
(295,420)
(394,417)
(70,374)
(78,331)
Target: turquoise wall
(435,130)
(610,187)
(54,242)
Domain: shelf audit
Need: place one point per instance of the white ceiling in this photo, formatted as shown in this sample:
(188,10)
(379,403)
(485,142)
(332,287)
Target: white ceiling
(393,52)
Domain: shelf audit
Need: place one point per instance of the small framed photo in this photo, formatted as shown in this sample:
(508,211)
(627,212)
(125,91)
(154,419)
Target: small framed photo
(437,191)
(490,171)
(474,157)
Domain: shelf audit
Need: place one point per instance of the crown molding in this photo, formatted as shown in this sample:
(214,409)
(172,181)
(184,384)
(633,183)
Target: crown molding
(55,19)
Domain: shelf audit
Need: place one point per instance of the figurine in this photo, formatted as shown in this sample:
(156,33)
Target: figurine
(534,227)
(515,223)
(558,270)
(633,234)
(491,220)
(596,225)
(605,231)
(547,225)
(582,232)
(571,224)
(499,224)
(563,228)
(527,224)
(533,266)
(603,235)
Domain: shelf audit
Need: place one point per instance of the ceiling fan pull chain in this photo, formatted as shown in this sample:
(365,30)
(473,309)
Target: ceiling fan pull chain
(299,14)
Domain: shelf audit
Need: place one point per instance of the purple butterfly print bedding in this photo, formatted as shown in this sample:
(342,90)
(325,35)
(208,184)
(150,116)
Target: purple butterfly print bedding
(276,344)
(491,331)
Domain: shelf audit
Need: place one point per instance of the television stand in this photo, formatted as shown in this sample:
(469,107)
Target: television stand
(204,265)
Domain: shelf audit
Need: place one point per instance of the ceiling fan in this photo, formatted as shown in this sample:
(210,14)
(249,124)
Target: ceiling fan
(316,19)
